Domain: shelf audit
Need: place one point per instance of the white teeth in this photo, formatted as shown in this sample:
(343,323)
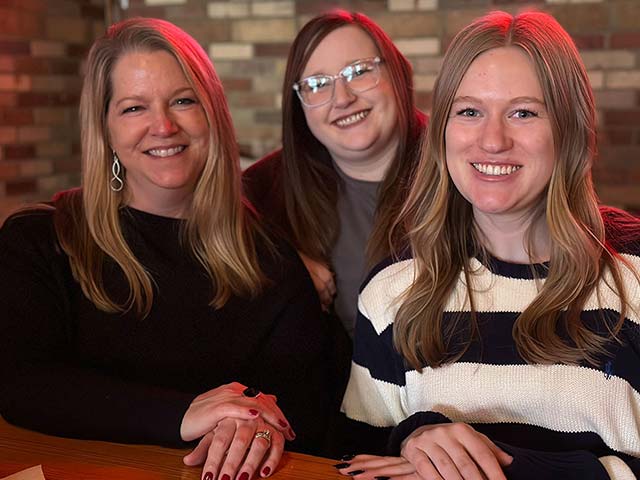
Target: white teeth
(496,170)
(356,117)
(166,152)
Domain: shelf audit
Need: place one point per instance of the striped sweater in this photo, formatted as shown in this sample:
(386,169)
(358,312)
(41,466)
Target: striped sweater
(558,421)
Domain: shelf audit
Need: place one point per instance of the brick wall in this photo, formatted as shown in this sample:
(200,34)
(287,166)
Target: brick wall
(42,42)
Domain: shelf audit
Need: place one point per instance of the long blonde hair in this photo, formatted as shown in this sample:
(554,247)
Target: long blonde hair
(437,217)
(218,230)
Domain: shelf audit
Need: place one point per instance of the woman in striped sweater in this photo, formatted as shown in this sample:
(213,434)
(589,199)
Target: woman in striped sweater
(505,341)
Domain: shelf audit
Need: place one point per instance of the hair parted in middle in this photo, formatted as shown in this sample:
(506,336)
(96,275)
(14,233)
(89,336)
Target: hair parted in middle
(307,165)
(217,230)
(440,224)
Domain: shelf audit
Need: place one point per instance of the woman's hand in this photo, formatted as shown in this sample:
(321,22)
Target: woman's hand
(370,467)
(238,449)
(454,451)
(227,401)
(322,279)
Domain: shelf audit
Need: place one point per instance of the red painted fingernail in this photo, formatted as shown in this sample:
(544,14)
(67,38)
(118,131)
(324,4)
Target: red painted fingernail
(243,476)
(208,476)
(225,477)
(266,471)
(283,423)
(254,412)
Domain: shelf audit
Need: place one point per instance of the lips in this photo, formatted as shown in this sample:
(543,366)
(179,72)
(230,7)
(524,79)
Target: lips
(351,119)
(165,151)
(496,170)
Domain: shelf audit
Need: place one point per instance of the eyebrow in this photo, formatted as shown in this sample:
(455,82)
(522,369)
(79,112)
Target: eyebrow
(523,99)
(137,98)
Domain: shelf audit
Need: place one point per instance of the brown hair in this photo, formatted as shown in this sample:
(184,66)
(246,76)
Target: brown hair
(437,217)
(217,230)
(307,165)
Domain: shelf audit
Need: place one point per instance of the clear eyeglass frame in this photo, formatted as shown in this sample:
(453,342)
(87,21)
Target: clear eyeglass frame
(347,74)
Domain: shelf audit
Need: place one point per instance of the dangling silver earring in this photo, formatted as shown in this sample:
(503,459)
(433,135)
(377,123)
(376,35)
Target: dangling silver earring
(116,182)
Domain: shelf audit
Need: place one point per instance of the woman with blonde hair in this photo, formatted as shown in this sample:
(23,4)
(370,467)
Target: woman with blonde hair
(505,342)
(148,305)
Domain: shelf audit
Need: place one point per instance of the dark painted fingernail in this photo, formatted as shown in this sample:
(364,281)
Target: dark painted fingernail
(225,477)
(346,458)
(282,423)
(355,472)
(342,465)
(266,471)
(243,476)
(381,478)
(253,412)
(208,476)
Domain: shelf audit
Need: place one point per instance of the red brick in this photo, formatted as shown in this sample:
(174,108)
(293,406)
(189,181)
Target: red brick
(8,170)
(38,99)
(14,47)
(625,40)
(66,165)
(92,11)
(8,99)
(313,8)
(16,116)
(423,100)
(617,136)
(622,117)
(21,187)
(16,152)
(236,84)
(589,42)
(271,49)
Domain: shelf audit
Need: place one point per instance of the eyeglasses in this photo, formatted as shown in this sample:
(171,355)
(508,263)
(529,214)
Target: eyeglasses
(359,76)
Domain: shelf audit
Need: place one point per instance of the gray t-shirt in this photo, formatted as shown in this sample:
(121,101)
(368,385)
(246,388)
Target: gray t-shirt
(356,208)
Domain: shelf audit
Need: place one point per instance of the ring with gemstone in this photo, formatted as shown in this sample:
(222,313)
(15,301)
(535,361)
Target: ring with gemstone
(251,392)
(266,434)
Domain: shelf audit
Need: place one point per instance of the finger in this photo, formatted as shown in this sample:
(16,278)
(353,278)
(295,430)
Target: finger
(257,452)
(272,414)
(423,465)
(370,470)
(331,286)
(274,455)
(221,439)
(485,458)
(238,449)
(453,462)
(199,454)
(504,459)
(196,427)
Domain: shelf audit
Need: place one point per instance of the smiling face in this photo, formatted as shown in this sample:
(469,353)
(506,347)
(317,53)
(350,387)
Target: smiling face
(159,131)
(499,141)
(358,129)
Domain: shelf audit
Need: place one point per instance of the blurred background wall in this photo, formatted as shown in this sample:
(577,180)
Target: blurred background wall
(43,42)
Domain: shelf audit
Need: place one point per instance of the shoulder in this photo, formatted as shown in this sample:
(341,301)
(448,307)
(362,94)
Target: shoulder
(29,231)
(622,230)
(267,167)
(382,291)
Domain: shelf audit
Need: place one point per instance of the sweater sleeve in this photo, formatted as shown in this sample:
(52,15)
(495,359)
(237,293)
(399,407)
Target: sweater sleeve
(374,400)
(45,384)
(533,464)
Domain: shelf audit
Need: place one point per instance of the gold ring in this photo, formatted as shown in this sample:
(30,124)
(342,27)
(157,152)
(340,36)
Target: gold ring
(266,434)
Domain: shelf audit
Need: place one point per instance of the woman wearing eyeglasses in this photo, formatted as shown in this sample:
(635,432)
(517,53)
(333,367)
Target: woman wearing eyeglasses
(350,136)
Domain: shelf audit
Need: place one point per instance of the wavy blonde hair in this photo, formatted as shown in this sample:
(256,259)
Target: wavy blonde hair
(437,217)
(218,231)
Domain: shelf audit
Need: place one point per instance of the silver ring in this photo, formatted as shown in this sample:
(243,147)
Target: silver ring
(266,434)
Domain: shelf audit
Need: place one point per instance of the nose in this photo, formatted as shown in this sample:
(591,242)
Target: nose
(163,124)
(495,135)
(342,95)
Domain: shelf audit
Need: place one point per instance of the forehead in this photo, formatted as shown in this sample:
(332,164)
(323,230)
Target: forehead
(138,70)
(339,48)
(501,72)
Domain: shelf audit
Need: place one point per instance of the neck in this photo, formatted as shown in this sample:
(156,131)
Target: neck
(369,167)
(506,237)
(174,205)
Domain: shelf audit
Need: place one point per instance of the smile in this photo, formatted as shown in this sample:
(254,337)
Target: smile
(166,152)
(496,170)
(351,119)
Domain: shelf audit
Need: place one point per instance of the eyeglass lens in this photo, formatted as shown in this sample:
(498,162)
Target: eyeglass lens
(360,77)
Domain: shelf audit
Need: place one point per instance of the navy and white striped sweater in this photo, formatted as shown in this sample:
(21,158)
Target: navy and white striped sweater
(558,421)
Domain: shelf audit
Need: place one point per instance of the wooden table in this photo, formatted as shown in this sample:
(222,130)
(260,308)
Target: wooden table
(67,459)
